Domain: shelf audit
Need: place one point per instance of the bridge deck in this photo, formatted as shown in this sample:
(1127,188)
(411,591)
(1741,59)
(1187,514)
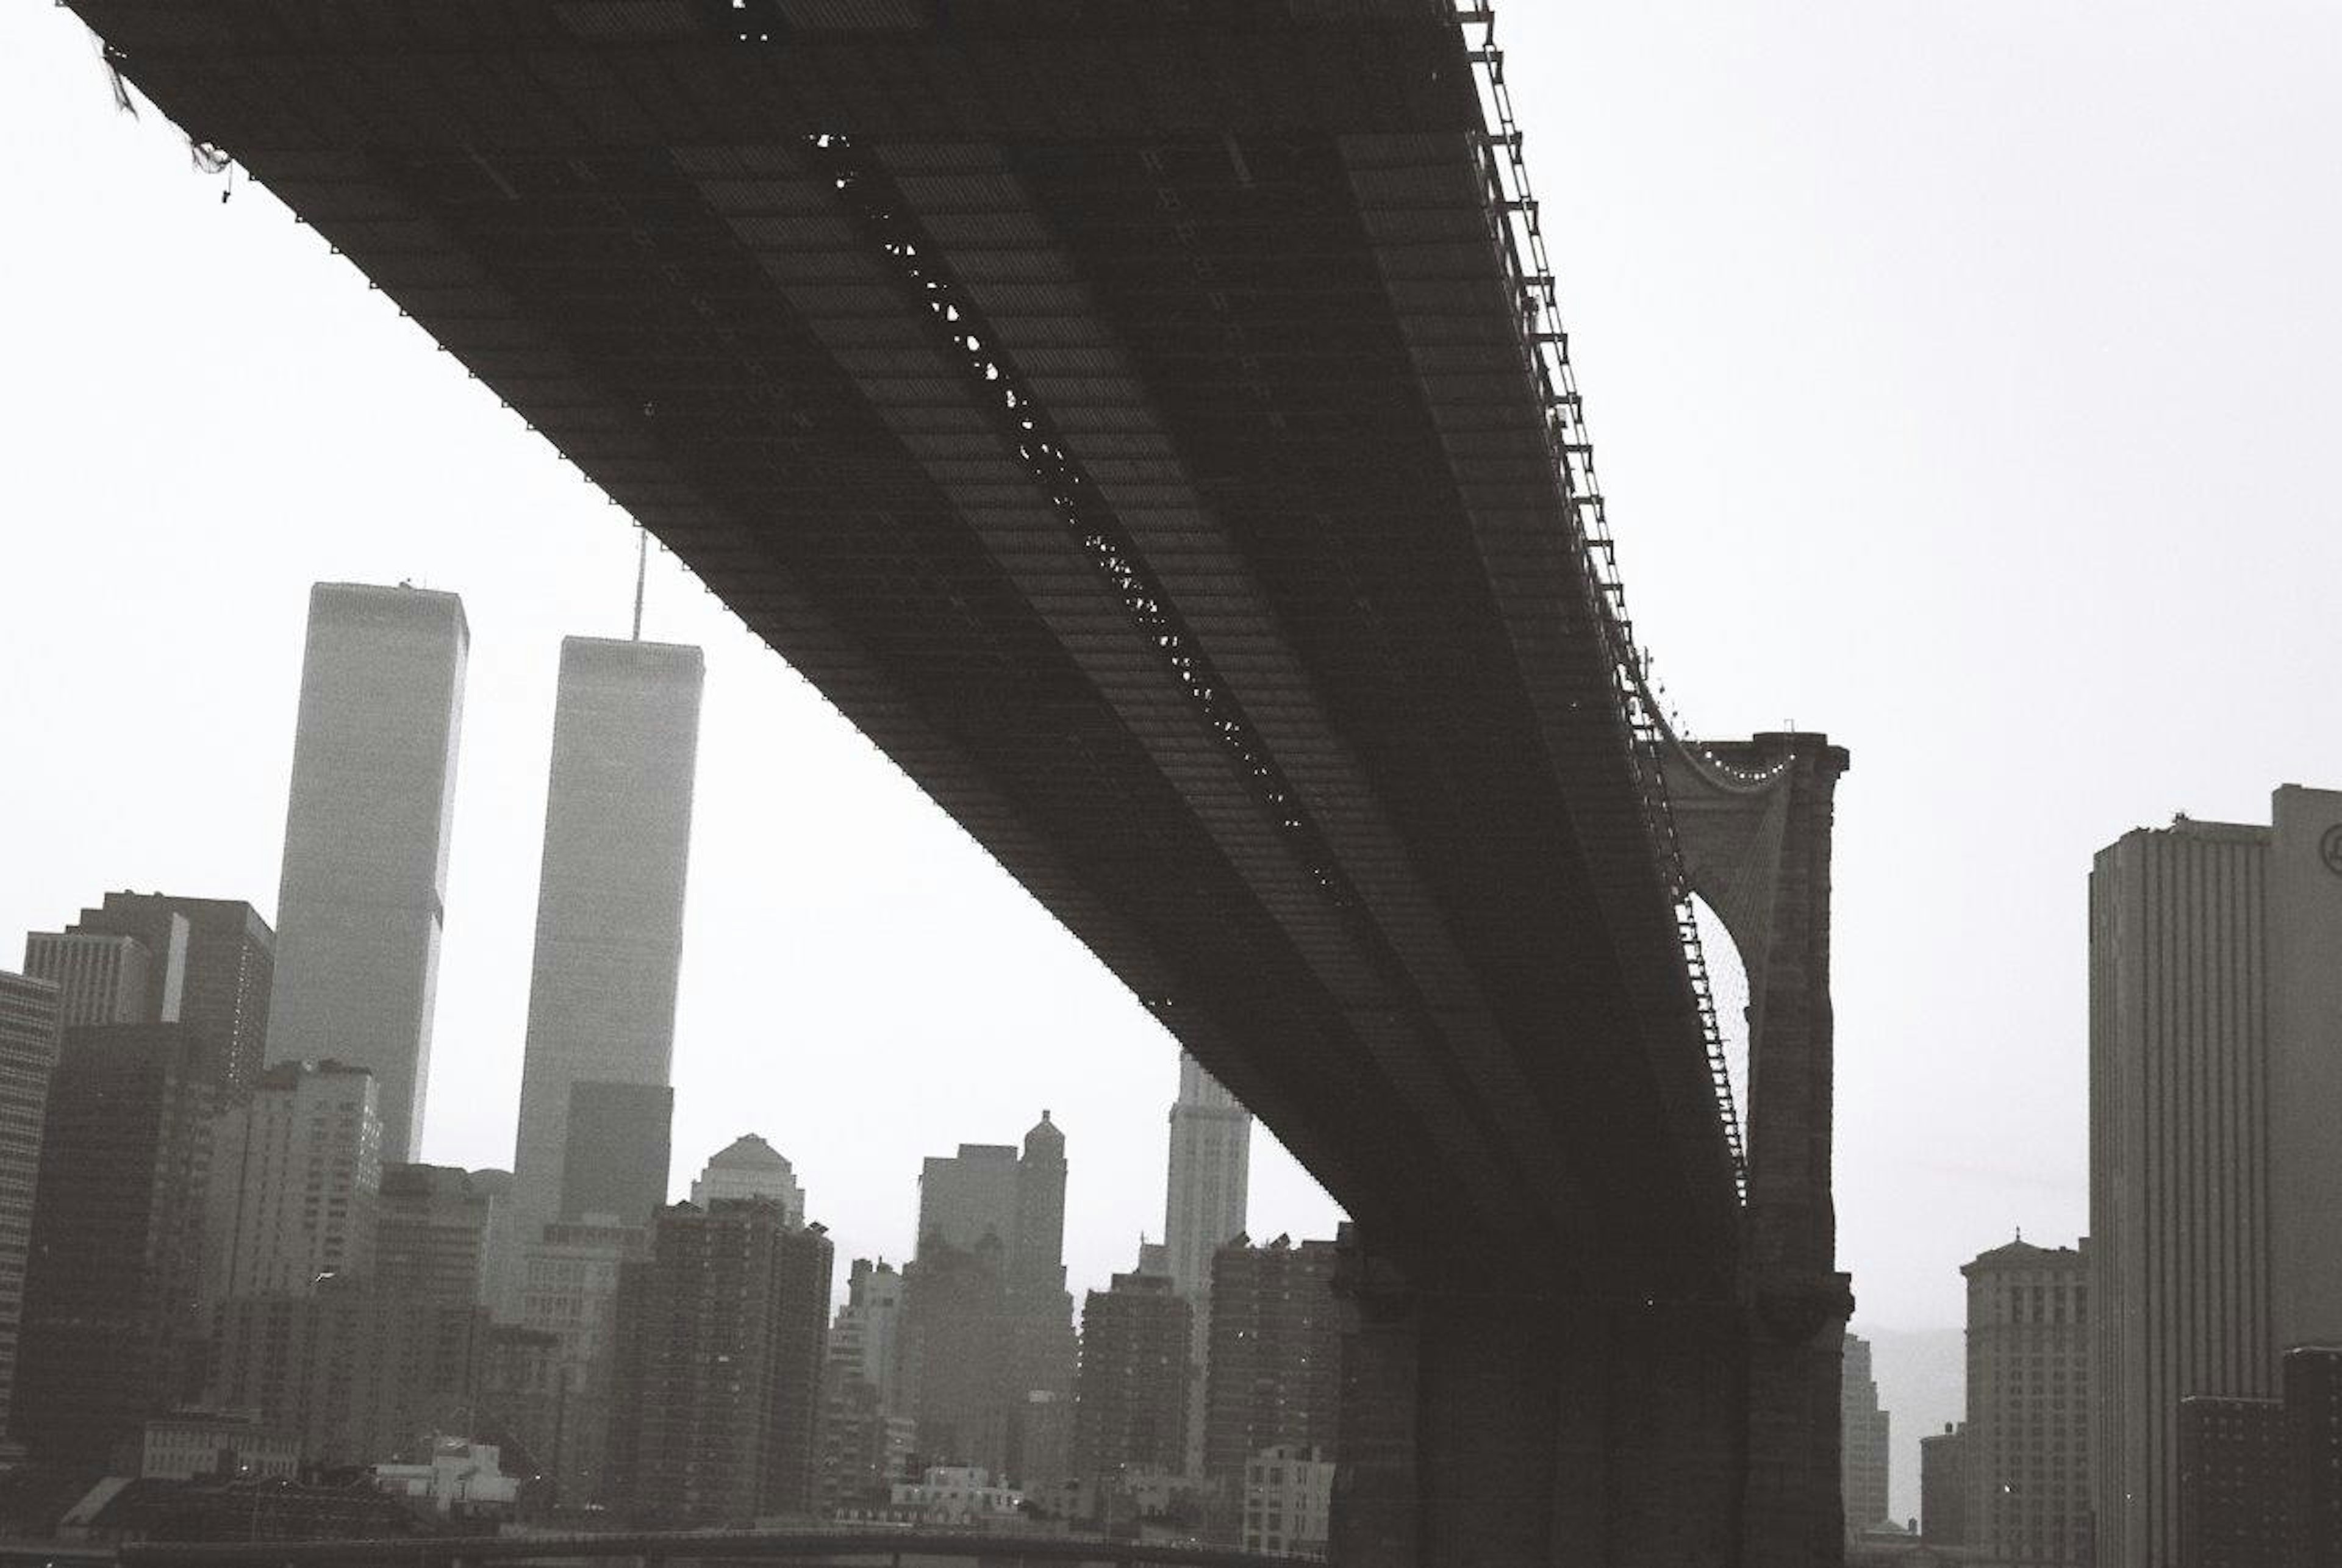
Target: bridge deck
(1122,411)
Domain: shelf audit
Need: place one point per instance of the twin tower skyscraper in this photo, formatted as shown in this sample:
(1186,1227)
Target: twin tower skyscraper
(363,902)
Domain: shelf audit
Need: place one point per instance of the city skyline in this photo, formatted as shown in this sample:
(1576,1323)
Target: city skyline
(1891,1058)
(1972,349)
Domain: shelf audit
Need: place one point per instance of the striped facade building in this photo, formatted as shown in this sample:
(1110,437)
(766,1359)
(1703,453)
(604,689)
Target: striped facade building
(2216,1060)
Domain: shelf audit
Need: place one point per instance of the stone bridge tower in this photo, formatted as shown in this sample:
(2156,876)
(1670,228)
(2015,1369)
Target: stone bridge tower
(1754,831)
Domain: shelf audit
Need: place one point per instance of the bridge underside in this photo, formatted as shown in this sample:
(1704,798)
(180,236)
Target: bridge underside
(1124,413)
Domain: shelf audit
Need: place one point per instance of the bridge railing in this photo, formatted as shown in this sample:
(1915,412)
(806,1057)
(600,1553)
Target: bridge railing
(1520,233)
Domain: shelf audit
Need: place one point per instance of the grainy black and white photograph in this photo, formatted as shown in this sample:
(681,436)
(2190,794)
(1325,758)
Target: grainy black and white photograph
(1170,784)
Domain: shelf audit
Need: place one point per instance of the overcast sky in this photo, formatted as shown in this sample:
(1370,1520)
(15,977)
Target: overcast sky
(1964,382)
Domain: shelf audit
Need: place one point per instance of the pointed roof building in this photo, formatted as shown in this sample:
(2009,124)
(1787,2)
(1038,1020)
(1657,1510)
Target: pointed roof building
(749,1167)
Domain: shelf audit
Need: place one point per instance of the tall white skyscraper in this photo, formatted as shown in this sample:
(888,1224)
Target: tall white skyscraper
(609,931)
(1211,1162)
(2215,1068)
(364,897)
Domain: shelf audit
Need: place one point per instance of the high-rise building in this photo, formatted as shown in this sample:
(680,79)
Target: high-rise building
(111,1283)
(2028,1383)
(2232,1483)
(2313,1446)
(866,1336)
(854,1468)
(362,1374)
(1863,1429)
(1130,1401)
(1274,1372)
(571,1291)
(615,1152)
(749,1167)
(1203,1210)
(432,1230)
(988,1281)
(967,1196)
(1037,1250)
(1211,1160)
(100,978)
(28,1058)
(720,1335)
(868,1432)
(1944,1487)
(958,1385)
(363,895)
(295,1170)
(218,960)
(2215,970)
(609,924)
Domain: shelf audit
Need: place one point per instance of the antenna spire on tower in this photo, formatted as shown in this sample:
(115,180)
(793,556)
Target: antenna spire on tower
(641,568)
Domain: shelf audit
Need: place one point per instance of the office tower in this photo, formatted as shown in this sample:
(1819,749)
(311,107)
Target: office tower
(989,1282)
(1944,1487)
(2028,1383)
(749,1167)
(1038,1249)
(2313,1446)
(363,895)
(867,1433)
(1863,1435)
(571,1291)
(1211,1158)
(855,1470)
(2215,970)
(28,1058)
(615,1152)
(100,979)
(1273,1374)
(1203,1210)
(1044,1351)
(866,1337)
(609,928)
(219,959)
(2232,1483)
(432,1225)
(719,1354)
(965,1197)
(959,1382)
(295,1169)
(111,1282)
(359,1373)
(1130,1399)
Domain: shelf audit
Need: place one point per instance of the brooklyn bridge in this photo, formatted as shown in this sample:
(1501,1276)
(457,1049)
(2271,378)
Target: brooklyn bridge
(1152,422)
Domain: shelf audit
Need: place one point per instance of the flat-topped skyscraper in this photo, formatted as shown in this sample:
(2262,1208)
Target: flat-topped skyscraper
(609,925)
(215,961)
(2216,1064)
(364,897)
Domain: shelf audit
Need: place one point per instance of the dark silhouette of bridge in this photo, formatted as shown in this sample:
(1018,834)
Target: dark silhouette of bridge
(1149,421)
